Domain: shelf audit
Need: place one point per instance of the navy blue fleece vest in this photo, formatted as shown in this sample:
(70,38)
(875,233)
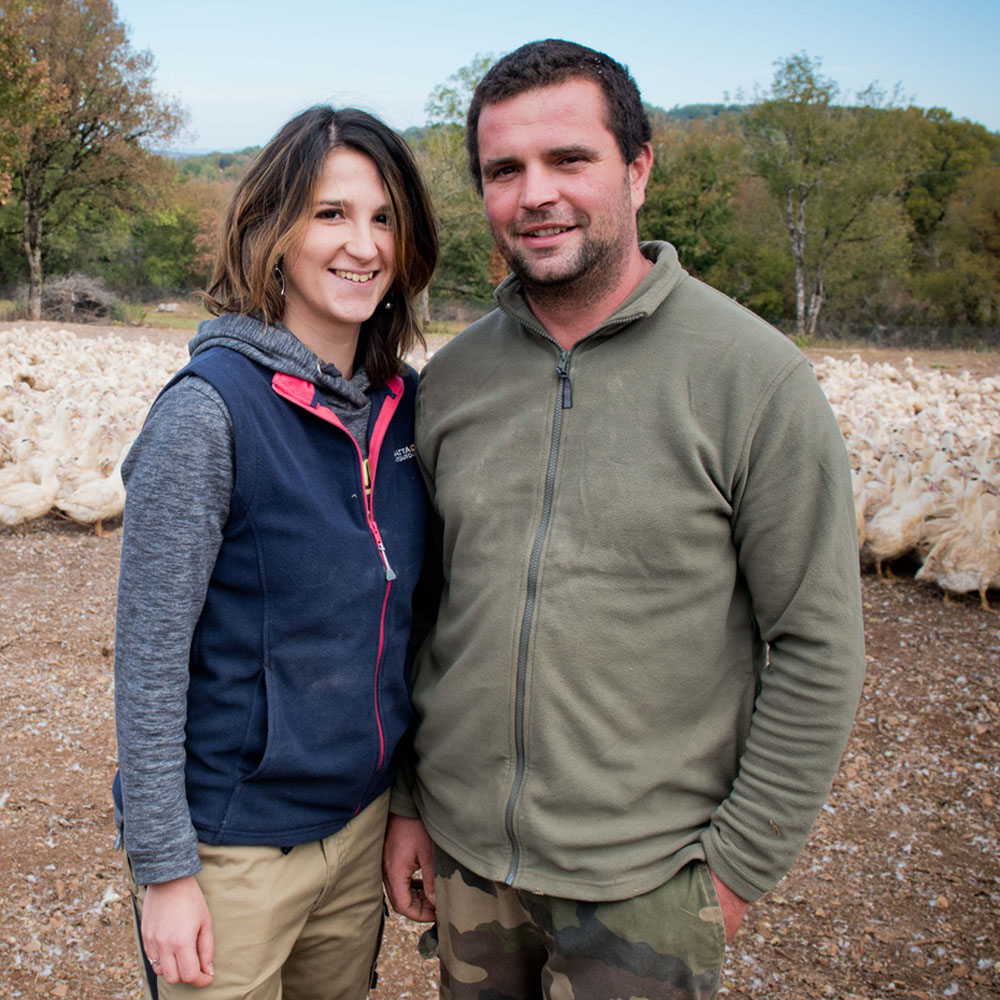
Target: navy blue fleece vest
(298,690)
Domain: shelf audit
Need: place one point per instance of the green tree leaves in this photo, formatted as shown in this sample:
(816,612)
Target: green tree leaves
(89,147)
(449,102)
(807,203)
(965,284)
(690,195)
(829,169)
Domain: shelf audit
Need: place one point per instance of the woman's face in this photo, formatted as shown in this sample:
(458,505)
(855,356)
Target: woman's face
(337,276)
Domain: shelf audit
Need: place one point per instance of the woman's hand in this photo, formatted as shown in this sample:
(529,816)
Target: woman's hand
(407,850)
(177,932)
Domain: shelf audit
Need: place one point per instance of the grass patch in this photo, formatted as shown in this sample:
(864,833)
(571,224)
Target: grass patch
(10,309)
(188,314)
(174,321)
(129,313)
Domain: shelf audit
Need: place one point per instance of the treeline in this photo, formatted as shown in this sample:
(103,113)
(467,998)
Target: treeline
(824,216)
(162,241)
(823,212)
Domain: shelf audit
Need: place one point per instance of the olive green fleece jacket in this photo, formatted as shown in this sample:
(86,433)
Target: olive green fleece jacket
(649,645)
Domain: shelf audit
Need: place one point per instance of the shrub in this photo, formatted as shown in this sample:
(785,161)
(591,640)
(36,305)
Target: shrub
(77,298)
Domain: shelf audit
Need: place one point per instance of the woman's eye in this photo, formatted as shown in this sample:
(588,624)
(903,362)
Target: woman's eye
(384,220)
(329,213)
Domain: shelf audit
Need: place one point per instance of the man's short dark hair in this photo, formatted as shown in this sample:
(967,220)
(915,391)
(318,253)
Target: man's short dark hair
(550,62)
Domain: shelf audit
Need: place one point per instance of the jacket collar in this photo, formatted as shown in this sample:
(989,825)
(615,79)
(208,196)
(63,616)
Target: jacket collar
(664,276)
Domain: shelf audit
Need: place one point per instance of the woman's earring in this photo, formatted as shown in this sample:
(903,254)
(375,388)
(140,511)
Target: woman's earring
(388,303)
(281,279)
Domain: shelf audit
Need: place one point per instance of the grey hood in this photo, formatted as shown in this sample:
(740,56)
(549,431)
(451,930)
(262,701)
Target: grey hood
(277,348)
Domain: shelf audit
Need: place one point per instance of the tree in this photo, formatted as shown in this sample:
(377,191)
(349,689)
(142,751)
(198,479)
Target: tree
(947,150)
(826,167)
(174,245)
(689,197)
(464,270)
(754,266)
(24,87)
(92,151)
(966,284)
(867,281)
(449,101)
(468,264)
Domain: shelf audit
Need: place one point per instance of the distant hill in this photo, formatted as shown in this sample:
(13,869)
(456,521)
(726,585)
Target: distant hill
(678,113)
(215,165)
(208,165)
(690,112)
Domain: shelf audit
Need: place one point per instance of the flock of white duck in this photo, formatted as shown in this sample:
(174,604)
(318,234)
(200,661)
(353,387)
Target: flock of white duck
(924,446)
(69,409)
(925,454)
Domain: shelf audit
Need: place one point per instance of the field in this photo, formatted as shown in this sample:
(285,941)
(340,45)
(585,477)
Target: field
(897,894)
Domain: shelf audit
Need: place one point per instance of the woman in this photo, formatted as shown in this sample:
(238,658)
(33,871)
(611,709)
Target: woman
(274,530)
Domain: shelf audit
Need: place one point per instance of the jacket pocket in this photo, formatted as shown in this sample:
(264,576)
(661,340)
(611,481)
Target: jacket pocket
(253,753)
(308,725)
(710,903)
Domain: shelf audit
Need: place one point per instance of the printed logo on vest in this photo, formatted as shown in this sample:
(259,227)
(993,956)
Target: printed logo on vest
(403,454)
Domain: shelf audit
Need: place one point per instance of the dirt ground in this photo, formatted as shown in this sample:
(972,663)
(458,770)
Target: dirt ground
(897,894)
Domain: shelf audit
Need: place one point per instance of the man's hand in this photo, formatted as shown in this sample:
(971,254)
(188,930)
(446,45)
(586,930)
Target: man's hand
(409,849)
(177,932)
(733,907)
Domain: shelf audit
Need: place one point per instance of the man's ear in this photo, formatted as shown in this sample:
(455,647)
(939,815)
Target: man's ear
(638,172)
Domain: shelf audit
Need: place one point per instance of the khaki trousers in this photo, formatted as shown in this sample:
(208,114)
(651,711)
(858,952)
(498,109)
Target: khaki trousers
(302,925)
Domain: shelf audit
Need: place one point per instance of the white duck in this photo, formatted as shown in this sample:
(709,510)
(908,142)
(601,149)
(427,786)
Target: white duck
(25,501)
(896,529)
(966,557)
(96,501)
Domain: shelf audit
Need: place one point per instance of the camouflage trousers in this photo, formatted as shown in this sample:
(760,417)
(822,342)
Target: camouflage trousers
(500,943)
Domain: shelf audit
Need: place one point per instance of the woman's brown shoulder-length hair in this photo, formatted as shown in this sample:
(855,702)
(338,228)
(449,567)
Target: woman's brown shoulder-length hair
(274,201)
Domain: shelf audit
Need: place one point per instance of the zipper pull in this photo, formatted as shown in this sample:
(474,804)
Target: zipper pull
(390,573)
(367,477)
(564,383)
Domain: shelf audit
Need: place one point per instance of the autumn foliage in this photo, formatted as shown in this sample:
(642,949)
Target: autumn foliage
(823,211)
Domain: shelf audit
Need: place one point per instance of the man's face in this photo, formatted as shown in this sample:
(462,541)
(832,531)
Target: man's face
(560,201)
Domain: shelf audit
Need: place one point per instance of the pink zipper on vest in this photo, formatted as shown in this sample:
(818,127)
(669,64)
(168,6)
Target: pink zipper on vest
(303,393)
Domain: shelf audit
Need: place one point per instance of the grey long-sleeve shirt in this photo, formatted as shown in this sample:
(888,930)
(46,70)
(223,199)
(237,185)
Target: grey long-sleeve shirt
(179,476)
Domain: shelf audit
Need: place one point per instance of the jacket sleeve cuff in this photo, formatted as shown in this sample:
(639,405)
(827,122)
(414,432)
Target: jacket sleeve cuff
(720,866)
(154,870)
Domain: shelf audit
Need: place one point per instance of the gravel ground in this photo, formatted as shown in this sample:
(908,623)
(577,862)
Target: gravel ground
(896,895)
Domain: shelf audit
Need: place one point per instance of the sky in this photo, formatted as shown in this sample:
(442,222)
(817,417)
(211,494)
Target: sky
(242,68)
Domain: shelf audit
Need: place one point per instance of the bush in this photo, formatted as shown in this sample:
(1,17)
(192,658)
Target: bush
(77,298)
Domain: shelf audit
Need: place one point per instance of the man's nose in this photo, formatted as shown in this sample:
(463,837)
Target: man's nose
(538,187)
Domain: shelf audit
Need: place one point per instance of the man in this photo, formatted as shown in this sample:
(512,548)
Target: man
(648,651)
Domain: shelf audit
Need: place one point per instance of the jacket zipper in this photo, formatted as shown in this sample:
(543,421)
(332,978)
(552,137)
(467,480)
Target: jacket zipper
(564,401)
(390,574)
(300,392)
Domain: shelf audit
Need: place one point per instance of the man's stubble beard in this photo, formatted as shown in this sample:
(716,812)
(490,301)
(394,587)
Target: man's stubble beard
(596,268)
